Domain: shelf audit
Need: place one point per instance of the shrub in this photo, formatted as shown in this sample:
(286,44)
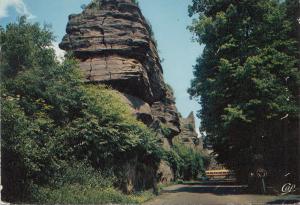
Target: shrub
(186,163)
(59,135)
(79,194)
(81,184)
(175,162)
(166,131)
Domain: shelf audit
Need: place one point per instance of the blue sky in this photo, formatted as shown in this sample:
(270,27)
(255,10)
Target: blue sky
(169,19)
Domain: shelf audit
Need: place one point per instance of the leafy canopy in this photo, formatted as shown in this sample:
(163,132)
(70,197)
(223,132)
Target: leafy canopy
(246,79)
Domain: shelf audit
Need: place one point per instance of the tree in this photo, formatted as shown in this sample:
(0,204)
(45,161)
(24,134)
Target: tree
(293,15)
(186,162)
(246,81)
(52,121)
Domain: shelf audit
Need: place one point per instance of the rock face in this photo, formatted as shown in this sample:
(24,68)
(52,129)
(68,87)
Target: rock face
(166,112)
(114,43)
(188,135)
(141,109)
(115,46)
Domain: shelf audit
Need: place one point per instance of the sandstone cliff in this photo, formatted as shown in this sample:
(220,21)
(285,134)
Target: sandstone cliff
(115,46)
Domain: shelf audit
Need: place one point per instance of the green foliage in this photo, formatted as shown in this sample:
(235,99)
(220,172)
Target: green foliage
(175,162)
(22,50)
(246,79)
(81,184)
(59,135)
(165,130)
(187,163)
(79,194)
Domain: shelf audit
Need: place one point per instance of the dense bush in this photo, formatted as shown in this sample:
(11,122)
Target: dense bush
(187,163)
(80,184)
(52,123)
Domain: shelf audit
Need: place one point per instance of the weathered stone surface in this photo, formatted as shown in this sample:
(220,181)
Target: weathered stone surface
(165,173)
(188,135)
(138,176)
(114,45)
(166,112)
(141,109)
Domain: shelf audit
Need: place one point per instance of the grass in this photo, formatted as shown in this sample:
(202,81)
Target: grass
(162,186)
(141,197)
(78,194)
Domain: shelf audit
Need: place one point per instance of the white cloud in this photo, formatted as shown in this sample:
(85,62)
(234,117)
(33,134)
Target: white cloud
(59,53)
(19,5)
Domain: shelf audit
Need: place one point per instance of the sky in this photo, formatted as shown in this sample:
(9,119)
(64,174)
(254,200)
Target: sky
(169,19)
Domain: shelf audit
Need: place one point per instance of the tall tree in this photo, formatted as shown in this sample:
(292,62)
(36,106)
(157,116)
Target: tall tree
(293,15)
(247,81)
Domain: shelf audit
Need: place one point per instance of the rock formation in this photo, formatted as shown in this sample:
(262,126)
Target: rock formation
(188,135)
(115,46)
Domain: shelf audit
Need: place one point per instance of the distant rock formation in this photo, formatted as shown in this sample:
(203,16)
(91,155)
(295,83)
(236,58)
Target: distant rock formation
(188,135)
(115,46)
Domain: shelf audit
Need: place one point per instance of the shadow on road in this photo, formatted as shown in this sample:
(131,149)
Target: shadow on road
(212,187)
(211,182)
(217,192)
(281,201)
(288,200)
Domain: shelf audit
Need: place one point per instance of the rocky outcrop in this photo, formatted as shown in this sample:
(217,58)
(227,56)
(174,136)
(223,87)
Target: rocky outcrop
(114,45)
(166,112)
(138,176)
(188,135)
(140,108)
(165,173)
